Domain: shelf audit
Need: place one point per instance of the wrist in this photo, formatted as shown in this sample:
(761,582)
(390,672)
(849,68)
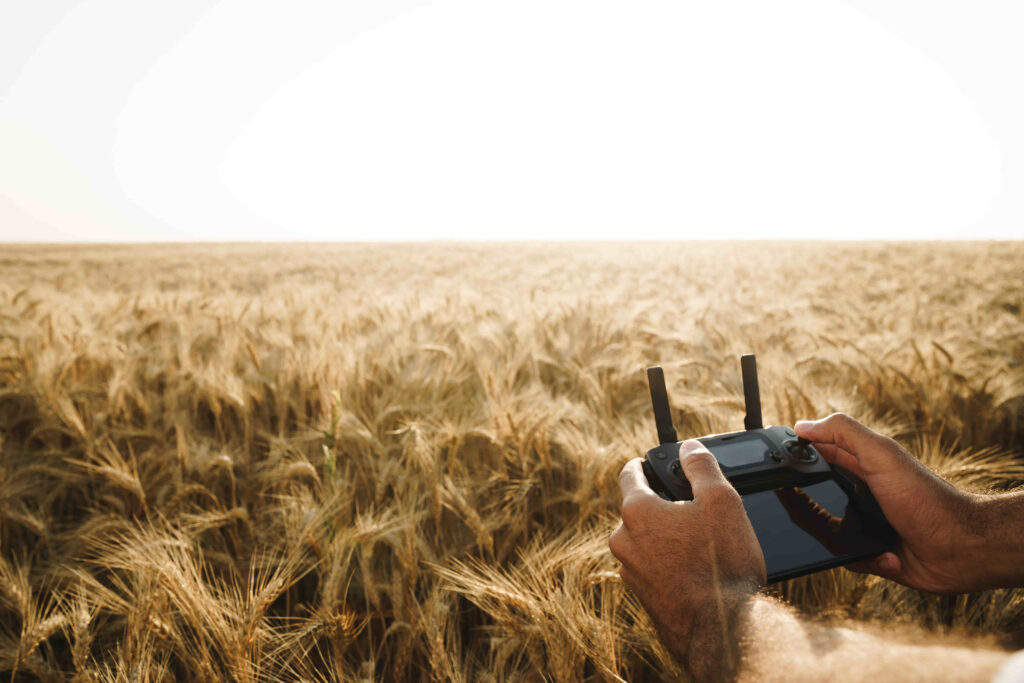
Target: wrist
(710,650)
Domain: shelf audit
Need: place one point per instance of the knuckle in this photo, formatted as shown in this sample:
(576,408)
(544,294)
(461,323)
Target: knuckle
(617,543)
(701,459)
(836,418)
(634,514)
(702,466)
(843,421)
(720,493)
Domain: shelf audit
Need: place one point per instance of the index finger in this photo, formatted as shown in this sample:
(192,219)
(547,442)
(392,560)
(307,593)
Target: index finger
(632,481)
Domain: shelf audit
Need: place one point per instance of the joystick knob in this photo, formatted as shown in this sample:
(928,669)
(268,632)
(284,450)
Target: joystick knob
(676,469)
(800,449)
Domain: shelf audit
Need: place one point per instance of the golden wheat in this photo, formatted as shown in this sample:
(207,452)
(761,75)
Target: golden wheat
(352,462)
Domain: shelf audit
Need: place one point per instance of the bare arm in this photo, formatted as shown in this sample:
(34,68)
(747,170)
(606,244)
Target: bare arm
(777,643)
(696,567)
(1001,518)
(951,541)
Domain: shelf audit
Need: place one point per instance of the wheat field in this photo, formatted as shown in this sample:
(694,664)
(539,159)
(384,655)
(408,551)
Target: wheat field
(399,462)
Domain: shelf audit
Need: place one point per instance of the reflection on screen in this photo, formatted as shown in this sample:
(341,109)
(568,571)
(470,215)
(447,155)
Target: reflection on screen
(810,526)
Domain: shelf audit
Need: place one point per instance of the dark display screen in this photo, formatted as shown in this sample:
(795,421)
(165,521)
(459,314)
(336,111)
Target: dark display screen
(801,530)
(740,452)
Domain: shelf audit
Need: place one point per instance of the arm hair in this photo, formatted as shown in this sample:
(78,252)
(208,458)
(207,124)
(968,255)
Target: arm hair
(778,644)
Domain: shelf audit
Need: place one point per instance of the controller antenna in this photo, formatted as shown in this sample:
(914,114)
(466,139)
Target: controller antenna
(751,394)
(659,399)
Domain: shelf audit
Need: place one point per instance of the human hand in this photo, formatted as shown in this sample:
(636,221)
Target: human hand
(941,536)
(690,563)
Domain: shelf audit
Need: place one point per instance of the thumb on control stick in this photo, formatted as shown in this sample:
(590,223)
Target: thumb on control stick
(845,442)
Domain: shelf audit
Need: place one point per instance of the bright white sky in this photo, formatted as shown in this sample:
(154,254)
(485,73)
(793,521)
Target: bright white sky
(510,119)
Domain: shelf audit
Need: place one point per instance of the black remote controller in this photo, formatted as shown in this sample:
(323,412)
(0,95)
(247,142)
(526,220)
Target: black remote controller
(757,459)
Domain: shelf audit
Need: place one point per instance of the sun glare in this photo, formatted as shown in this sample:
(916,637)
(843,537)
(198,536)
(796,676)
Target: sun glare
(469,119)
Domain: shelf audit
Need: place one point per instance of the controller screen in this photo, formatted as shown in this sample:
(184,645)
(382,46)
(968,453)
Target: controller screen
(799,528)
(740,452)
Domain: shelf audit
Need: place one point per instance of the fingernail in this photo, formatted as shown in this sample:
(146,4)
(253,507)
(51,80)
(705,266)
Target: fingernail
(887,563)
(803,423)
(689,446)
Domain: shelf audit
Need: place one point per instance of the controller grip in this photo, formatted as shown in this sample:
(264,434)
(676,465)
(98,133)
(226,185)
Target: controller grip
(653,480)
(658,486)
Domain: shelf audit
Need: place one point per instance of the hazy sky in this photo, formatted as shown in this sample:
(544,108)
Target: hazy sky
(515,119)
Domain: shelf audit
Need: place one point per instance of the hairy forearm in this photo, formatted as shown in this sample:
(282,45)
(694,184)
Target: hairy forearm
(999,527)
(769,641)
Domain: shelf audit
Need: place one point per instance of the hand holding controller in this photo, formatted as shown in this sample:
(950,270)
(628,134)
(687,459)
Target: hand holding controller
(757,459)
(808,515)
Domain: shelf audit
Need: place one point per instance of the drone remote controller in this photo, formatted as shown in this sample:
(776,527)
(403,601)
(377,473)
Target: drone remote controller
(757,459)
